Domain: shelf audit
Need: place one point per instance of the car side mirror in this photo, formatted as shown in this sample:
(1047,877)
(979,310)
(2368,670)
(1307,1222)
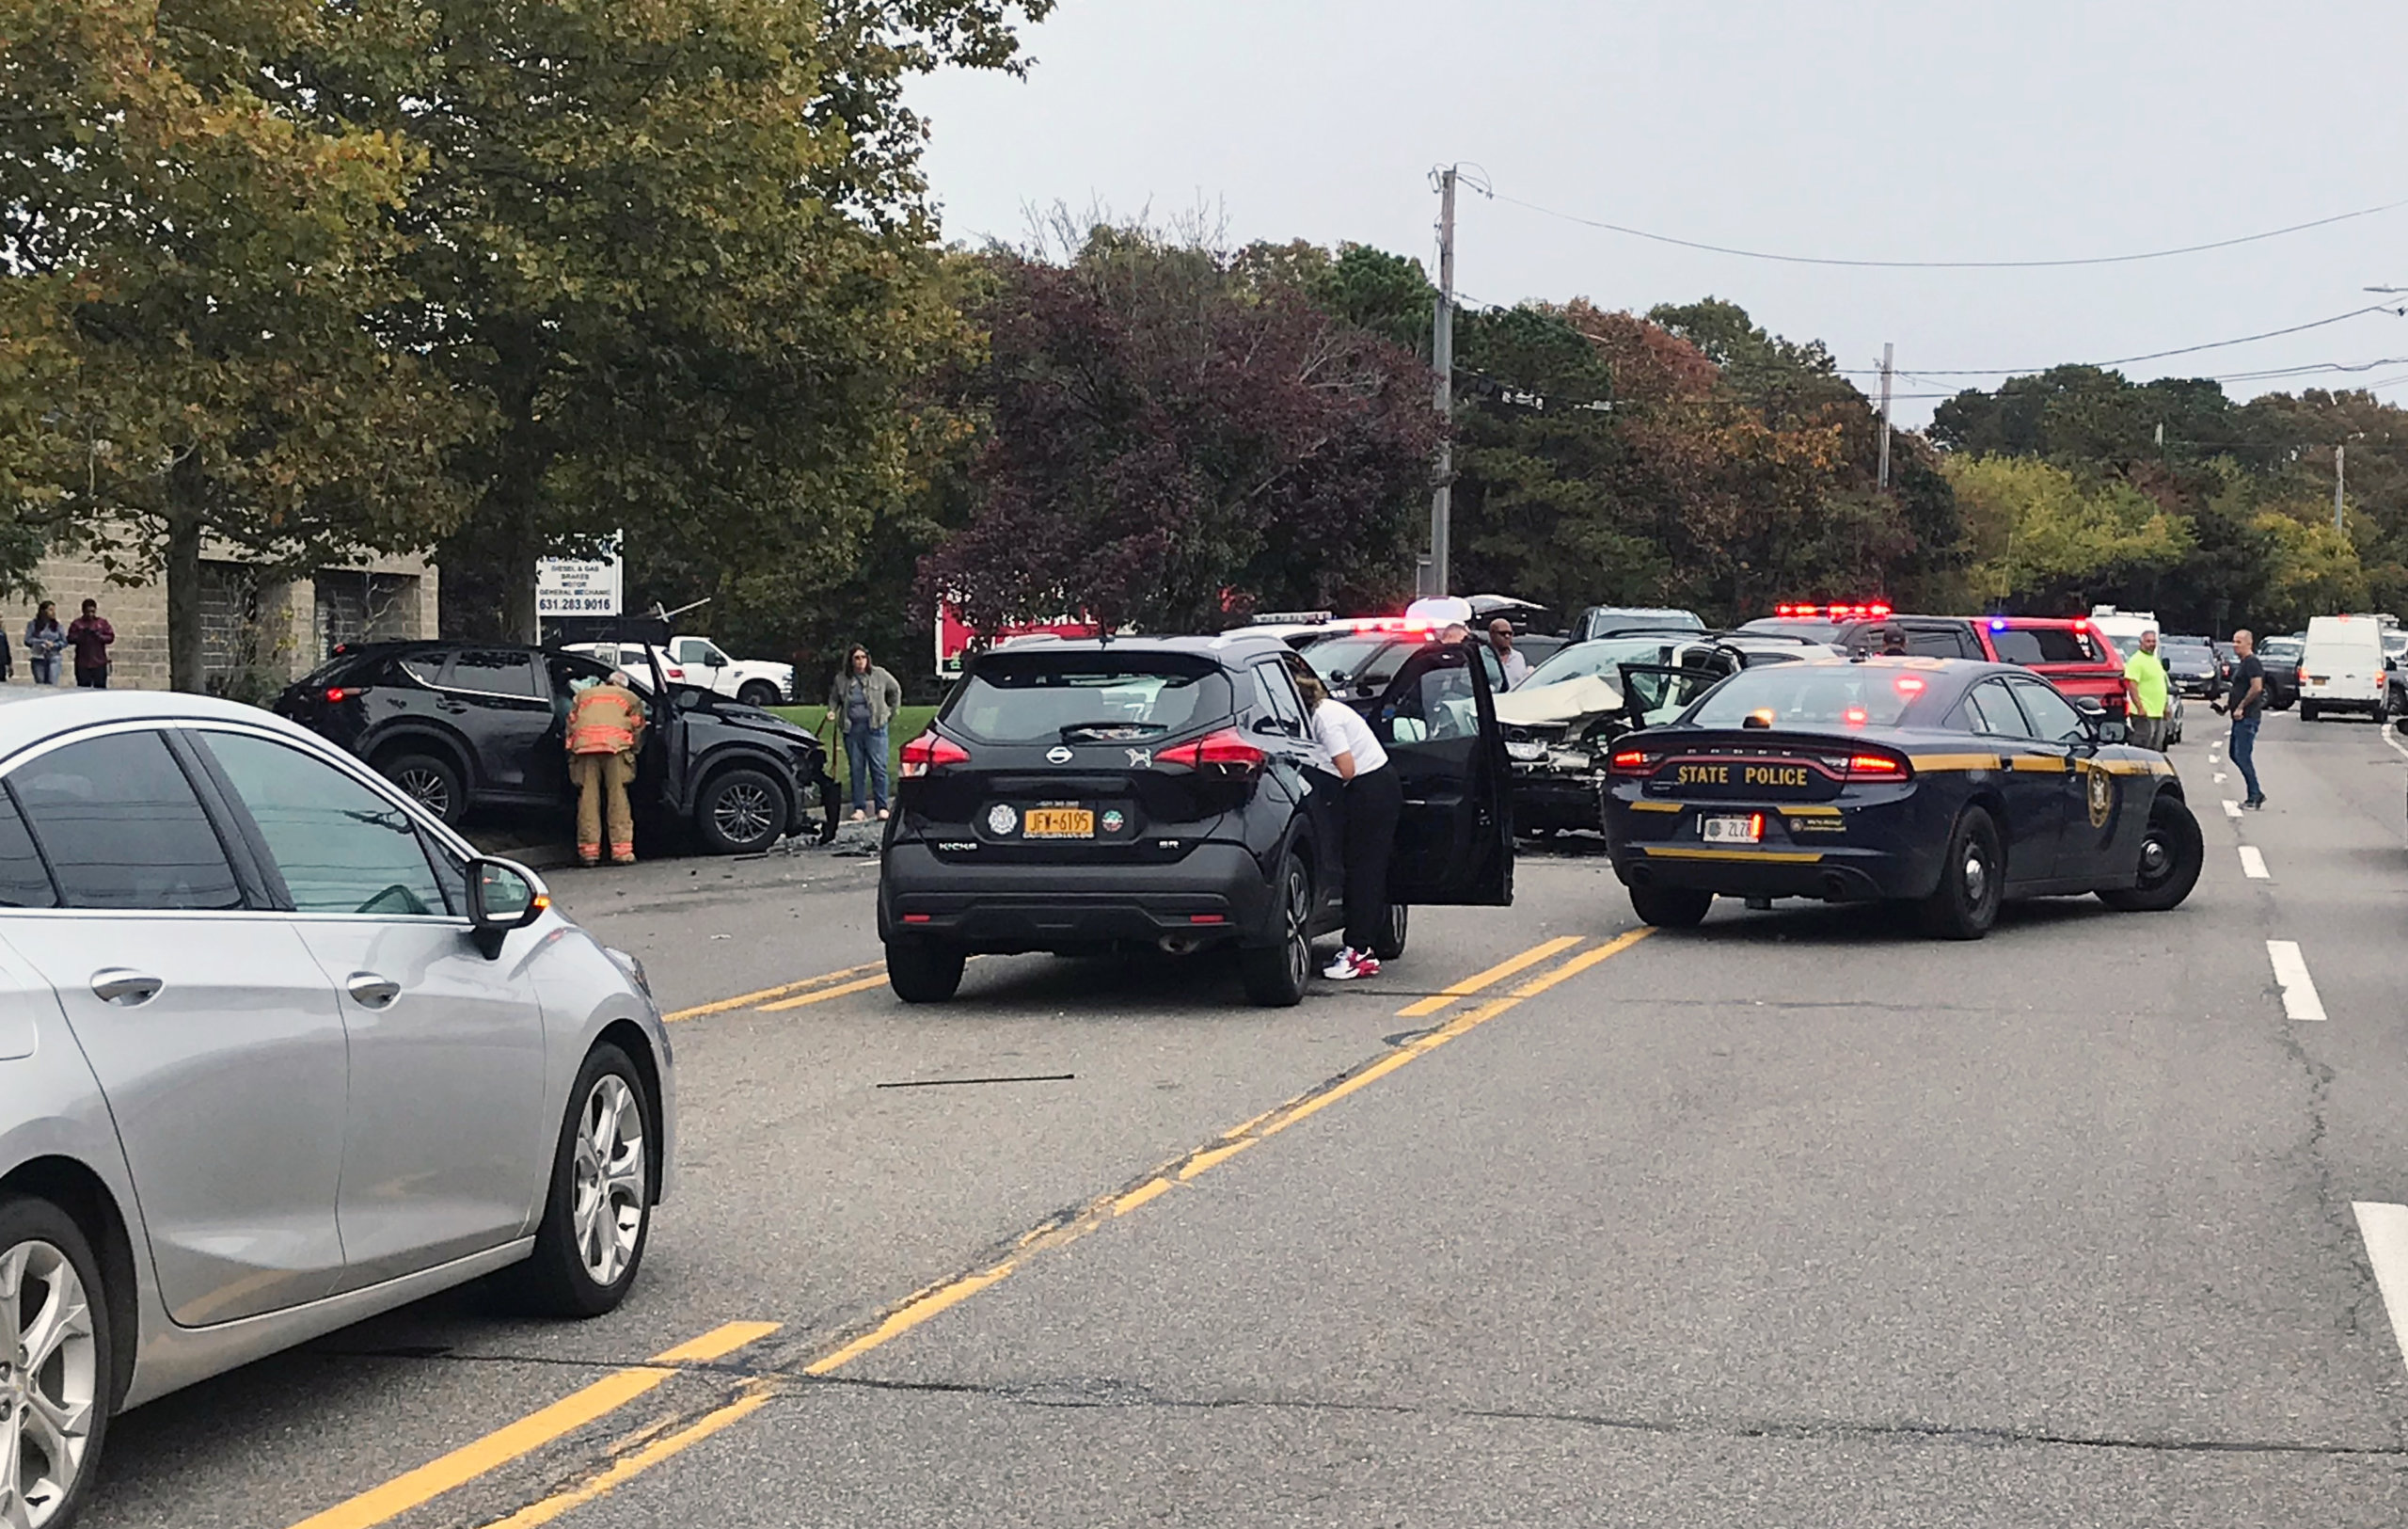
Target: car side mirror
(504,895)
(1270,725)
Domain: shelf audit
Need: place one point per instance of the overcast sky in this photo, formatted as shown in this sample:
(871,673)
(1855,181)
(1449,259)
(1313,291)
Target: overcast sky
(1869,129)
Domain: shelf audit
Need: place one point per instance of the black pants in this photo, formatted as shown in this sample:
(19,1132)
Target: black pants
(1373,803)
(92,679)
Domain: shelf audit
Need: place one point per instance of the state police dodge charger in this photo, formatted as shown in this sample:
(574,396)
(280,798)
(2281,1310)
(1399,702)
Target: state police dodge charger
(1950,783)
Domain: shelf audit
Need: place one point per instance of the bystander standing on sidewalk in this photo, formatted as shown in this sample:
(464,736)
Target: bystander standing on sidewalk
(45,639)
(90,635)
(860,703)
(2144,696)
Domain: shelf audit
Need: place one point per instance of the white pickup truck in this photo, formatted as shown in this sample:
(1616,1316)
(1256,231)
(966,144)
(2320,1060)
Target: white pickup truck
(698,661)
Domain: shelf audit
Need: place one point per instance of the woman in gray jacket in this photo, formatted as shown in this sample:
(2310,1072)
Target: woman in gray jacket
(860,703)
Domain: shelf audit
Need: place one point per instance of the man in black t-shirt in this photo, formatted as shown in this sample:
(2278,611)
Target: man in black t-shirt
(2248,694)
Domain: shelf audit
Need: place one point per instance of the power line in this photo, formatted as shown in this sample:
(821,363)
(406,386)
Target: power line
(2152,356)
(1947,264)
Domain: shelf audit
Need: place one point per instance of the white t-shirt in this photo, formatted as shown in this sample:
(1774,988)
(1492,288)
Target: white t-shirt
(1342,730)
(1518,668)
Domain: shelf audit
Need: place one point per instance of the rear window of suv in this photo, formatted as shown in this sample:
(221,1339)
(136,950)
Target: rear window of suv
(1061,697)
(2046,644)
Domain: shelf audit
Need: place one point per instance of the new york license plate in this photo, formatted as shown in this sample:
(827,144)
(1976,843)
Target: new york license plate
(1748,830)
(1059,822)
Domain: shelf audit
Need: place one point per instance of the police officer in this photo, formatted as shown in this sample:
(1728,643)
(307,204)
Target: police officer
(604,722)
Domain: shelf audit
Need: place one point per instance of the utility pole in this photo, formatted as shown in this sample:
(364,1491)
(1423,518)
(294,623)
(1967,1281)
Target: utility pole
(1442,357)
(2341,475)
(1885,415)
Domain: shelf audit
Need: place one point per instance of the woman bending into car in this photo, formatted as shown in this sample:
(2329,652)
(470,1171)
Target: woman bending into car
(1374,801)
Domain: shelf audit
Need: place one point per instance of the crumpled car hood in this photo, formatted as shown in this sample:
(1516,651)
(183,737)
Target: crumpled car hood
(1592,696)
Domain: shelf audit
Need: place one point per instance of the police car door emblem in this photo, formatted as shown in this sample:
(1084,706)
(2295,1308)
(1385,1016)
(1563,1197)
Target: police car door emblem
(1058,754)
(2102,796)
(1140,759)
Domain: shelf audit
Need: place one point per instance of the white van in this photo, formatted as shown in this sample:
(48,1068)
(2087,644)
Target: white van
(2342,668)
(2123,628)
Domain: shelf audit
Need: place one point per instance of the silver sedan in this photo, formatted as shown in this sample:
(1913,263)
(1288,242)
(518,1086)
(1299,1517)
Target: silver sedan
(277,1052)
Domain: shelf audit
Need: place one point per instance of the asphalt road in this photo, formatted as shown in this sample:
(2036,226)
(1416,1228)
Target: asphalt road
(1793,1220)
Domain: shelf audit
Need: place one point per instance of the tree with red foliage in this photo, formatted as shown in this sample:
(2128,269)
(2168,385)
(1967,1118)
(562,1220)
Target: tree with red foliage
(1174,436)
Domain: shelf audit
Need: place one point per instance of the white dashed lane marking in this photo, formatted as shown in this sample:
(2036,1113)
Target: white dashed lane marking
(2253,862)
(2384,1231)
(2299,993)
(2231,809)
(2219,777)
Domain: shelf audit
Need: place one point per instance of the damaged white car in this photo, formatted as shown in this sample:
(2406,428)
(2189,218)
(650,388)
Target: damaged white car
(1561,722)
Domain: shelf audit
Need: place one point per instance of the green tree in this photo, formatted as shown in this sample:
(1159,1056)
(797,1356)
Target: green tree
(2044,540)
(198,284)
(683,253)
(1171,439)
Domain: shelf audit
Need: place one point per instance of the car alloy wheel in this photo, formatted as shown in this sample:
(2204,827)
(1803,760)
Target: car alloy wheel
(608,1180)
(428,788)
(744,812)
(1299,949)
(49,1381)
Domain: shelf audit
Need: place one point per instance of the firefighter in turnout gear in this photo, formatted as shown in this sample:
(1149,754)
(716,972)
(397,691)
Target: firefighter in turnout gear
(604,722)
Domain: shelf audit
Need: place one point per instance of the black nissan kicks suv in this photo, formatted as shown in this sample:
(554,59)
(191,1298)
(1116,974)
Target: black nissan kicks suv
(461,725)
(1167,793)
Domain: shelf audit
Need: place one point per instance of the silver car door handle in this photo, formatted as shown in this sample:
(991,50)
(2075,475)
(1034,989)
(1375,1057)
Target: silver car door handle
(125,988)
(371,991)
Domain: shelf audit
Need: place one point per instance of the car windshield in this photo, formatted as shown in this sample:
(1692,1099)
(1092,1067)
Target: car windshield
(1809,694)
(1602,655)
(1054,698)
(2286,648)
(1360,662)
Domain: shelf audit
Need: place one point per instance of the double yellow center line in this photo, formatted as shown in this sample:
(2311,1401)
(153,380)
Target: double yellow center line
(382,1503)
(810,990)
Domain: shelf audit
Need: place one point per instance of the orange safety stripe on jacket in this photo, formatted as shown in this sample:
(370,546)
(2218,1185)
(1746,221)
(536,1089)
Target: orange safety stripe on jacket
(603,720)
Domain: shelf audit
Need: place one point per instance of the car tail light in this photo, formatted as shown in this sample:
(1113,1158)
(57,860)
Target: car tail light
(1633,763)
(1876,767)
(1908,685)
(1856,716)
(931,751)
(336,694)
(1227,752)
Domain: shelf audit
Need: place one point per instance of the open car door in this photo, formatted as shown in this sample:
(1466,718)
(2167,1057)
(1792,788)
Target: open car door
(1654,693)
(1455,842)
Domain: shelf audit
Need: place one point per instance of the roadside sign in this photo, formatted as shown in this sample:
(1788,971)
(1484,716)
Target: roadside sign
(580,586)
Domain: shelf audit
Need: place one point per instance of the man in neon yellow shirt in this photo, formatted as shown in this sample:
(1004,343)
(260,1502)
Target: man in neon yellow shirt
(2144,696)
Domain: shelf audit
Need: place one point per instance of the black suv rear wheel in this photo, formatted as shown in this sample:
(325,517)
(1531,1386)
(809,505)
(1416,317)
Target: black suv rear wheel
(924,971)
(1276,976)
(432,781)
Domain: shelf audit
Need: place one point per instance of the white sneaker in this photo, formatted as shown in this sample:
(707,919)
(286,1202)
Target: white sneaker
(1350,964)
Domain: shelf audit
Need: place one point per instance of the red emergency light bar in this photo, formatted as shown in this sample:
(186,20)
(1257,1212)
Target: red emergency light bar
(1871,611)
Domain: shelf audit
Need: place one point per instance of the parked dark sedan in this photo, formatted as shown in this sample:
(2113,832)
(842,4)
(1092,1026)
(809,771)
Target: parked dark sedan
(1169,793)
(461,725)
